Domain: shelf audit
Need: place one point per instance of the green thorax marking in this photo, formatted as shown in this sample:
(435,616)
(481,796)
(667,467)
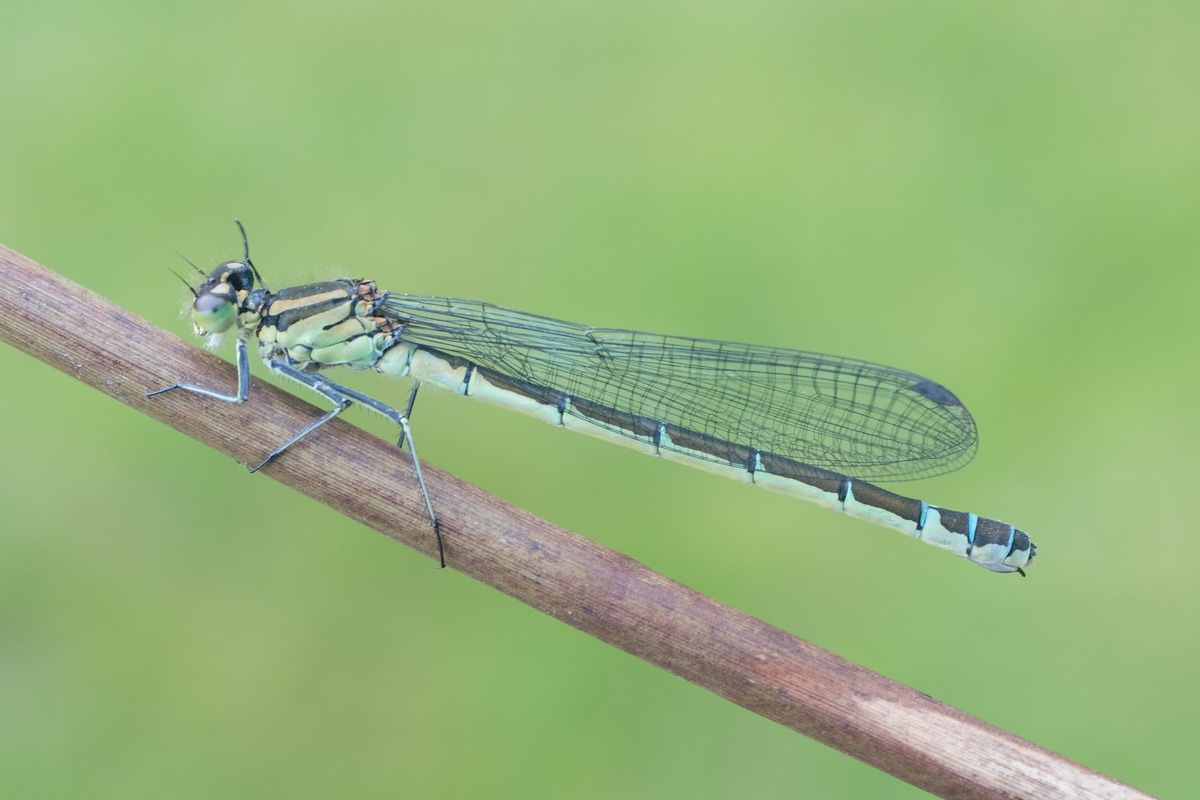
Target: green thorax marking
(326,324)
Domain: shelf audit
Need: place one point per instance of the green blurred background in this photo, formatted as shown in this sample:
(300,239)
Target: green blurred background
(1001,198)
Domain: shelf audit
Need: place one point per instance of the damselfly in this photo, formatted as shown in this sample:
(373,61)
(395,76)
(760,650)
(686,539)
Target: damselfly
(805,424)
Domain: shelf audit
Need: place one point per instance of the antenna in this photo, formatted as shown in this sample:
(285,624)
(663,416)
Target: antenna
(246,250)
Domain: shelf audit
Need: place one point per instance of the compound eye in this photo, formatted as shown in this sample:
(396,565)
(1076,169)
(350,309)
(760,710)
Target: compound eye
(212,313)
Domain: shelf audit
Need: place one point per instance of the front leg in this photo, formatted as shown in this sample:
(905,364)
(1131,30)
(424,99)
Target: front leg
(243,390)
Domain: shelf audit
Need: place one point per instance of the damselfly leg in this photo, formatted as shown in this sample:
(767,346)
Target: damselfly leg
(243,391)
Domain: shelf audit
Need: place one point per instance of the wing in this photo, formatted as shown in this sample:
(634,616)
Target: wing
(860,419)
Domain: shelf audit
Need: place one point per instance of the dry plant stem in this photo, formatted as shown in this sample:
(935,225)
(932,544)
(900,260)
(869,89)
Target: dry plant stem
(584,584)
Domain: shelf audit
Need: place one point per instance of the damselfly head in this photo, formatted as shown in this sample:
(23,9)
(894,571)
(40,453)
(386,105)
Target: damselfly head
(218,300)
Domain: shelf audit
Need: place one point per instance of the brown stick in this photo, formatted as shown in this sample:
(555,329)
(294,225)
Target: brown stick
(593,588)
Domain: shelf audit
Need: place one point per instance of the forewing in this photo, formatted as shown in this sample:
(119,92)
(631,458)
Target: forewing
(861,419)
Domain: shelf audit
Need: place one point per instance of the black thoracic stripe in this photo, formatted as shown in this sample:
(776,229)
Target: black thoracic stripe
(730,452)
(903,507)
(633,424)
(346,287)
(284,319)
(816,477)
